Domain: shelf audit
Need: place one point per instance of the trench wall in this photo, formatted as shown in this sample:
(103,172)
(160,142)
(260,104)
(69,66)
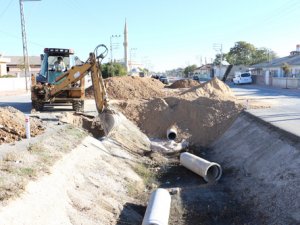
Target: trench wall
(261,165)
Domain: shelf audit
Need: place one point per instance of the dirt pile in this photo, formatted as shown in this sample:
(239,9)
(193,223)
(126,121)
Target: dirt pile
(214,88)
(12,125)
(131,87)
(201,113)
(184,84)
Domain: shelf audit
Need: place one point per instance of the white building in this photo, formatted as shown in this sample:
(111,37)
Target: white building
(3,65)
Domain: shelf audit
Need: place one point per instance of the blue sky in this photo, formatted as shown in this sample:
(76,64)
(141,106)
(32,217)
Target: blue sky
(165,34)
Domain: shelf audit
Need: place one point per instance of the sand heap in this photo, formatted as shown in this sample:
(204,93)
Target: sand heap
(201,113)
(12,125)
(184,84)
(131,87)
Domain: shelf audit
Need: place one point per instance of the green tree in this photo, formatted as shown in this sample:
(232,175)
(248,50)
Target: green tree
(263,55)
(119,69)
(241,53)
(286,69)
(218,58)
(113,69)
(189,69)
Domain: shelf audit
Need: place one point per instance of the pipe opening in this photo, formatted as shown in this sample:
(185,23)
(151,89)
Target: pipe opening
(213,173)
(172,136)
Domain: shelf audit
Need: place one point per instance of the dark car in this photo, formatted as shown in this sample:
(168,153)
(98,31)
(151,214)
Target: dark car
(155,76)
(196,78)
(164,79)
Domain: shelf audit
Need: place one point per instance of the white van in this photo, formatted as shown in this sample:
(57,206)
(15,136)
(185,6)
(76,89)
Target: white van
(243,78)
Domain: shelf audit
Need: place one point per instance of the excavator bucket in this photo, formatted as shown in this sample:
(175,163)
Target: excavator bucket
(109,119)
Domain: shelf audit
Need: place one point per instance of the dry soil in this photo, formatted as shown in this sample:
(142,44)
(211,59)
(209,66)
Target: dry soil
(12,125)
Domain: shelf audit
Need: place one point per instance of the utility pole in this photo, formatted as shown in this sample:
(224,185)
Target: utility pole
(111,52)
(130,55)
(219,48)
(24,41)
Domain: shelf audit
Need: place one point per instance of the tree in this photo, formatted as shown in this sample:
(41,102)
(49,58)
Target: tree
(263,55)
(189,69)
(241,53)
(286,69)
(244,53)
(218,58)
(113,69)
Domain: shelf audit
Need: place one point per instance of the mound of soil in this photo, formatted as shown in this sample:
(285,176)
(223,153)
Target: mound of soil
(12,125)
(211,89)
(201,113)
(131,87)
(184,84)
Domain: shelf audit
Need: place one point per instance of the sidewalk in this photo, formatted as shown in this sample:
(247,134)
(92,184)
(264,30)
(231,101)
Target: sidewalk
(264,87)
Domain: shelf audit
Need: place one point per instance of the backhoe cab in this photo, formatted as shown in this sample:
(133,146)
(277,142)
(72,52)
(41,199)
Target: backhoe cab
(66,84)
(73,94)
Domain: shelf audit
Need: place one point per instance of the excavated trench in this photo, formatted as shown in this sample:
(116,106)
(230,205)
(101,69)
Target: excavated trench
(259,184)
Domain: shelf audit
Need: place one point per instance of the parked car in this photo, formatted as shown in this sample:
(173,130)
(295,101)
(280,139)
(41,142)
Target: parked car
(195,77)
(243,78)
(164,79)
(155,76)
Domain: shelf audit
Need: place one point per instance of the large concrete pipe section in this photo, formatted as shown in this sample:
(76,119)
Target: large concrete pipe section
(158,209)
(210,171)
(172,133)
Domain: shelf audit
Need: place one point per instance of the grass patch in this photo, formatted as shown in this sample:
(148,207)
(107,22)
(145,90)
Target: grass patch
(145,173)
(35,148)
(10,157)
(26,171)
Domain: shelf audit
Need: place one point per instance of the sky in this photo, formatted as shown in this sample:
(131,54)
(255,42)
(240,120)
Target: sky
(162,34)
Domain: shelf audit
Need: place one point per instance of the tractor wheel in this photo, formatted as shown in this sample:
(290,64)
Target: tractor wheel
(78,105)
(37,105)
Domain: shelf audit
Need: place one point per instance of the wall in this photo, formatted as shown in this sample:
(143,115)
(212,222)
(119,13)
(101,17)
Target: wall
(258,79)
(12,84)
(286,82)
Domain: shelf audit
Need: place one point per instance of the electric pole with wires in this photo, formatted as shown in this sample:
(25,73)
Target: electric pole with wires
(24,41)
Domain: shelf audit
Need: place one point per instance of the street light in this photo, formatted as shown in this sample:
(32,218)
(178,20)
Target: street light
(24,40)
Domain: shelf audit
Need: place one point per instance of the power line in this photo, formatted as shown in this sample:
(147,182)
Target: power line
(19,38)
(272,15)
(6,8)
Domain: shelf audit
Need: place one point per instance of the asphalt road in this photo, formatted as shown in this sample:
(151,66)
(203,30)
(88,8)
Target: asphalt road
(285,105)
(21,102)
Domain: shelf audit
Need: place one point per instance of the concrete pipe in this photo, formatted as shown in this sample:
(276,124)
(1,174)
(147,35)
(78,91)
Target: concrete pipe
(210,171)
(172,133)
(158,209)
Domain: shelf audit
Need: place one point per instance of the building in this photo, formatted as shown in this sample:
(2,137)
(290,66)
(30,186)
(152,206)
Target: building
(3,65)
(272,73)
(15,66)
(204,72)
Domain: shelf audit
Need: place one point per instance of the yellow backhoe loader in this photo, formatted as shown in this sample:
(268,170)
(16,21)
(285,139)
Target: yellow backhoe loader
(52,86)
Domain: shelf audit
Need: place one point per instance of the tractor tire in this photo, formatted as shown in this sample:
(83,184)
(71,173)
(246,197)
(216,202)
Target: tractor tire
(78,105)
(37,105)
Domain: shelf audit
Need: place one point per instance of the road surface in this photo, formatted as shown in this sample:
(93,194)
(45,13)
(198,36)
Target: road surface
(21,102)
(283,113)
(285,105)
